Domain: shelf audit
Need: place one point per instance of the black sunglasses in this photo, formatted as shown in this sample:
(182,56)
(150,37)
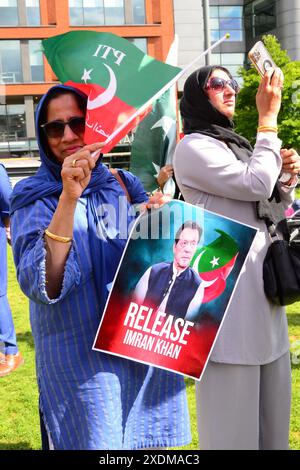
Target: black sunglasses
(218,84)
(56,129)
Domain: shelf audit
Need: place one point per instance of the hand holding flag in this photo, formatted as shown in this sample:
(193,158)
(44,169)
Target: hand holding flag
(118,78)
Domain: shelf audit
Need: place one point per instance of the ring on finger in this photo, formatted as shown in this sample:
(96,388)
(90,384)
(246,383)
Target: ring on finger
(73,164)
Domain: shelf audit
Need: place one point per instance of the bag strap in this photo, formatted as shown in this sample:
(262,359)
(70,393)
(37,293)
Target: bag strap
(116,174)
(282,225)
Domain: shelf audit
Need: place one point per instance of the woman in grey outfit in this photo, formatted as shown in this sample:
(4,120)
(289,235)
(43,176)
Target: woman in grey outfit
(243,400)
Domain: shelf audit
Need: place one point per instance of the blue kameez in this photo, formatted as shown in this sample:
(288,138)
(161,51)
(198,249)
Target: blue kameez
(90,400)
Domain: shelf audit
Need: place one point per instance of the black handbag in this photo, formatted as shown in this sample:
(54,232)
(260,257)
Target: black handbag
(281,270)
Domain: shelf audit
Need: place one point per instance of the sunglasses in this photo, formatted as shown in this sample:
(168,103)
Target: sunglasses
(218,84)
(56,129)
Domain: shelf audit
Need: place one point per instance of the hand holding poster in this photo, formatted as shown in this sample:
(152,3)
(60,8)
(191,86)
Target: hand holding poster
(173,287)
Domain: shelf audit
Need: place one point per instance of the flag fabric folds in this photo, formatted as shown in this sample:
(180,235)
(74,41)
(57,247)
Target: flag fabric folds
(119,79)
(154,141)
(214,263)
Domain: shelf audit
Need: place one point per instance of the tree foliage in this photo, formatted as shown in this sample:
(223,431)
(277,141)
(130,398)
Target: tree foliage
(246,117)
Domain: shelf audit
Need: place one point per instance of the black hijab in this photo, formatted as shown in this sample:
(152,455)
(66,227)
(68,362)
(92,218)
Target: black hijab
(200,116)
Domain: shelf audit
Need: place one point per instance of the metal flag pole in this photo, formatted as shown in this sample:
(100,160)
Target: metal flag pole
(161,91)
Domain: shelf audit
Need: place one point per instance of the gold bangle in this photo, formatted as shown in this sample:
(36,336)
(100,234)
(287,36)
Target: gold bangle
(58,238)
(267,128)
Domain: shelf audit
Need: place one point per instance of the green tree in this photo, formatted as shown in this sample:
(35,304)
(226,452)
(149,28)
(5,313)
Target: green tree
(246,117)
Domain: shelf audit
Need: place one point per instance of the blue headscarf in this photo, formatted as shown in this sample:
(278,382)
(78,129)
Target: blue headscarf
(102,189)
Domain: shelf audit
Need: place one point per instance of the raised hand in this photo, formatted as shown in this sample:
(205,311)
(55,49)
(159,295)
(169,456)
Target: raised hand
(77,169)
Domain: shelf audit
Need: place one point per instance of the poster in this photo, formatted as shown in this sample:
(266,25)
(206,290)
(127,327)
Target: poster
(173,287)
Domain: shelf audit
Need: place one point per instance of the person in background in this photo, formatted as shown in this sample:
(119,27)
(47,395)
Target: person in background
(166,172)
(67,250)
(243,399)
(10,358)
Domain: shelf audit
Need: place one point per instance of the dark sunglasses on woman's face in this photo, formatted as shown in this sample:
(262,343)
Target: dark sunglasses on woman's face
(218,84)
(56,129)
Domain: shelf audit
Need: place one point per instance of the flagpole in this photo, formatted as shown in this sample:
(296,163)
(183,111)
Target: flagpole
(161,91)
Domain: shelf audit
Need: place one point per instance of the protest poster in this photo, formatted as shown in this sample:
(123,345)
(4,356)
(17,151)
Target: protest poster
(173,287)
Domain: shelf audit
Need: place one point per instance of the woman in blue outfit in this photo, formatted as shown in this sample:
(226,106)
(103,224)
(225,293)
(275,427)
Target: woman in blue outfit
(10,358)
(67,242)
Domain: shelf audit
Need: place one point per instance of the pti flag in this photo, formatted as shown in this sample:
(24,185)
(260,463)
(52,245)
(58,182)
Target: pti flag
(154,141)
(119,79)
(214,262)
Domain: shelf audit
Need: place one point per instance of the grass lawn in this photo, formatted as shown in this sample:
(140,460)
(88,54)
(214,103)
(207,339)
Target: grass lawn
(19,423)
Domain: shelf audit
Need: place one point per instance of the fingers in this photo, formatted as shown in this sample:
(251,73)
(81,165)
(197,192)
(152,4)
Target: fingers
(290,160)
(157,200)
(267,77)
(272,77)
(168,170)
(265,81)
(78,173)
(95,146)
(285,153)
(82,158)
(291,167)
(95,149)
(277,78)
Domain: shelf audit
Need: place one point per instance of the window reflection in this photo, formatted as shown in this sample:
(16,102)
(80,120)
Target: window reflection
(264,14)
(226,19)
(231,12)
(10,62)
(231,23)
(141,43)
(9,13)
(12,129)
(36,61)
(108,12)
(76,12)
(260,17)
(114,12)
(33,12)
(138,7)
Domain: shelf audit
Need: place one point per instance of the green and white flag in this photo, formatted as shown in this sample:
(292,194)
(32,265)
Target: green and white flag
(154,142)
(156,136)
(121,82)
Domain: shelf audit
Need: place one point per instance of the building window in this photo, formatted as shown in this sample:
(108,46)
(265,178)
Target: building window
(36,61)
(86,12)
(96,12)
(76,12)
(141,43)
(231,61)
(33,12)
(260,17)
(226,19)
(106,12)
(9,13)
(10,62)
(12,129)
(114,12)
(138,7)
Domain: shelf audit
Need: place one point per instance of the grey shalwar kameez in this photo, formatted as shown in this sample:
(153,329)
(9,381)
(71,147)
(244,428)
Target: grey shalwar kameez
(253,343)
